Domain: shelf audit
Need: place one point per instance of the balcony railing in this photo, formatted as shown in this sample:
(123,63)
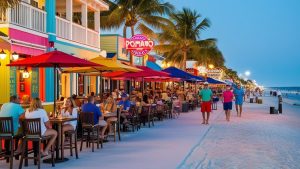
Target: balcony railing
(71,31)
(78,33)
(26,16)
(63,28)
(93,38)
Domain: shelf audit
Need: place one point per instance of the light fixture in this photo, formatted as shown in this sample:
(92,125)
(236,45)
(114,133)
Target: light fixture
(247,73)
(211,66)
(2,54)
(15,56)
(25,74)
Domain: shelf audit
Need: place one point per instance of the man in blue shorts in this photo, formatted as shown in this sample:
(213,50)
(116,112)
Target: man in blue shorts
(239,99)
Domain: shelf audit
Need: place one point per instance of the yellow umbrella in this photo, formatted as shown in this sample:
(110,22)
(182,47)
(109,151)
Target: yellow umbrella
(109,64)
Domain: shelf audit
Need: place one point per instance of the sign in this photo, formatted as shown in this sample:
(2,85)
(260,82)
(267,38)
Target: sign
(139,45)
(215,73)
(34,82)
(13,81)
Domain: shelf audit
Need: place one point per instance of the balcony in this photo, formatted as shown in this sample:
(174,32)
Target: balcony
(74,32)
(25,15)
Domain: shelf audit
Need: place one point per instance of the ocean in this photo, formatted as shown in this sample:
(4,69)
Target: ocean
(291,93)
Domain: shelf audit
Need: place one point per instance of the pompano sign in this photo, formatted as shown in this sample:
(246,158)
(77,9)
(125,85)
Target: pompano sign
(139,45)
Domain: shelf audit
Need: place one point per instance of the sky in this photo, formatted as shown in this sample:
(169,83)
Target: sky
(261,36)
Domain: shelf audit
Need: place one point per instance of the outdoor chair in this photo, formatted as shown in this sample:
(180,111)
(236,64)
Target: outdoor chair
(145,115)
(7,134)
(160,112)
(116,126)
(90,131)
(72,135)
(133,118)
(32,132)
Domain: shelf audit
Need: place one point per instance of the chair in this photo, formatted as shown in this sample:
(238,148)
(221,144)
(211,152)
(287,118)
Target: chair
(32,132)
(72,144)
(145,114)
(90,131)
(116,126)
(160,113)
(7,134)
(133,118)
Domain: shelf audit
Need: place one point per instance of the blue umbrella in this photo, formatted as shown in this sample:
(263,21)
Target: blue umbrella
(178,73)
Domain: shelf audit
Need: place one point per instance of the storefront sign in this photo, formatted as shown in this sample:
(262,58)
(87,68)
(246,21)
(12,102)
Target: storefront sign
(13,81)
(34,82)
(139,45)
(215,73)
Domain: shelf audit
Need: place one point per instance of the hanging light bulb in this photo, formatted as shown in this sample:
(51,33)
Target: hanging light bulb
(15,56)
(2,54)
(25,74)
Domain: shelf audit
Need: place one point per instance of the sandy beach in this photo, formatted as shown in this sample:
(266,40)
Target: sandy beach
(257,140)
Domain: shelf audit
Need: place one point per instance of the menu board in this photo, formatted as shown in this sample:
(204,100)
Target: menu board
(13,81)
(34,82)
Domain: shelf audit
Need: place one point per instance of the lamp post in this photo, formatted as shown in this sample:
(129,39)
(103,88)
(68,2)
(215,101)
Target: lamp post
(15,56)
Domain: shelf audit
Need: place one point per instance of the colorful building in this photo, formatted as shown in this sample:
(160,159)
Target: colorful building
(37,26)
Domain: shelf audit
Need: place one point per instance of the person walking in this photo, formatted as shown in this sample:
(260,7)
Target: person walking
(205,98)
(227,101)
(239,99)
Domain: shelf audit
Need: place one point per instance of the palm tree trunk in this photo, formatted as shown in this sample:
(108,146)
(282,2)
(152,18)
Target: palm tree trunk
(124,31)
(132,34)
(184,60)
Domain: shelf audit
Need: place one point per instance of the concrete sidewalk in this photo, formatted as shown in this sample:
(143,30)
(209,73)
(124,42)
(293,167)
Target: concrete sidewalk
(163,146)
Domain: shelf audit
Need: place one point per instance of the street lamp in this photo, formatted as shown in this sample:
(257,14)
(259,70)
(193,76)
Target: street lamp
(15,56)
(2,54)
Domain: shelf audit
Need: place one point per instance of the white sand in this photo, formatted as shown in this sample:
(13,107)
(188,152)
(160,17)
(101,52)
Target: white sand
(257,140)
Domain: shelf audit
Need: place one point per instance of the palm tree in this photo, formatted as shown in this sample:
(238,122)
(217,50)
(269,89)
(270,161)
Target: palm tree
(4,4)
(180,40)
(137,15)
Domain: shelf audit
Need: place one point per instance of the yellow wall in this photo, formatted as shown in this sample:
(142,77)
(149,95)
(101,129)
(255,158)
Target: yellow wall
(4,75)
(93,84)
(65,82)
(108,43)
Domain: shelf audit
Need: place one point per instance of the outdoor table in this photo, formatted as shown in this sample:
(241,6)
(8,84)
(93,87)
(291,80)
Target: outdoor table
(59,122)
(108,115)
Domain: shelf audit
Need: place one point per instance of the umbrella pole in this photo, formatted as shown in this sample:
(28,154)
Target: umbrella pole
(101,84)
(54,96)
(143,86)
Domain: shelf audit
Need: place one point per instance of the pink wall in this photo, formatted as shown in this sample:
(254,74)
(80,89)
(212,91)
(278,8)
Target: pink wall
(15,34)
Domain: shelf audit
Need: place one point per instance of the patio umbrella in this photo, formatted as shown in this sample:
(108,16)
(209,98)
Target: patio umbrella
(108,64)
(178,73)
(55,59)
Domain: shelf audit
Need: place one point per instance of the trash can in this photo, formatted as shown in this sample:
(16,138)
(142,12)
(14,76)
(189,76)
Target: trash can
(273,110)
(251,100)
(185,107)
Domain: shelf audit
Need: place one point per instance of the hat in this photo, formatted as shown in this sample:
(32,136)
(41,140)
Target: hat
(205,83)
(124,95)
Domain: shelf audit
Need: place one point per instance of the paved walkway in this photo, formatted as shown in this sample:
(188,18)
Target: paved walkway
(257,140)
(163,146)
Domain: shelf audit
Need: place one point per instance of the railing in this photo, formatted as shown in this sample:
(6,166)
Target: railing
(93,38)
(28,16)
(78,33)
(63,28)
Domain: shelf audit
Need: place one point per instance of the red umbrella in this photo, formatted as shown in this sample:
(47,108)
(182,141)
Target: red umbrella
(54,59)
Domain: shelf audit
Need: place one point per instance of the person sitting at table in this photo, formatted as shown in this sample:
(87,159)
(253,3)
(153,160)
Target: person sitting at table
(70,110)
(77,101)
(13,109)
(36,111)
(98,116)
(125,105)
(109,106)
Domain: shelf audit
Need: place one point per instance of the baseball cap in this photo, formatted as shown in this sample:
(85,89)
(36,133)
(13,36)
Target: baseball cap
(205,83)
